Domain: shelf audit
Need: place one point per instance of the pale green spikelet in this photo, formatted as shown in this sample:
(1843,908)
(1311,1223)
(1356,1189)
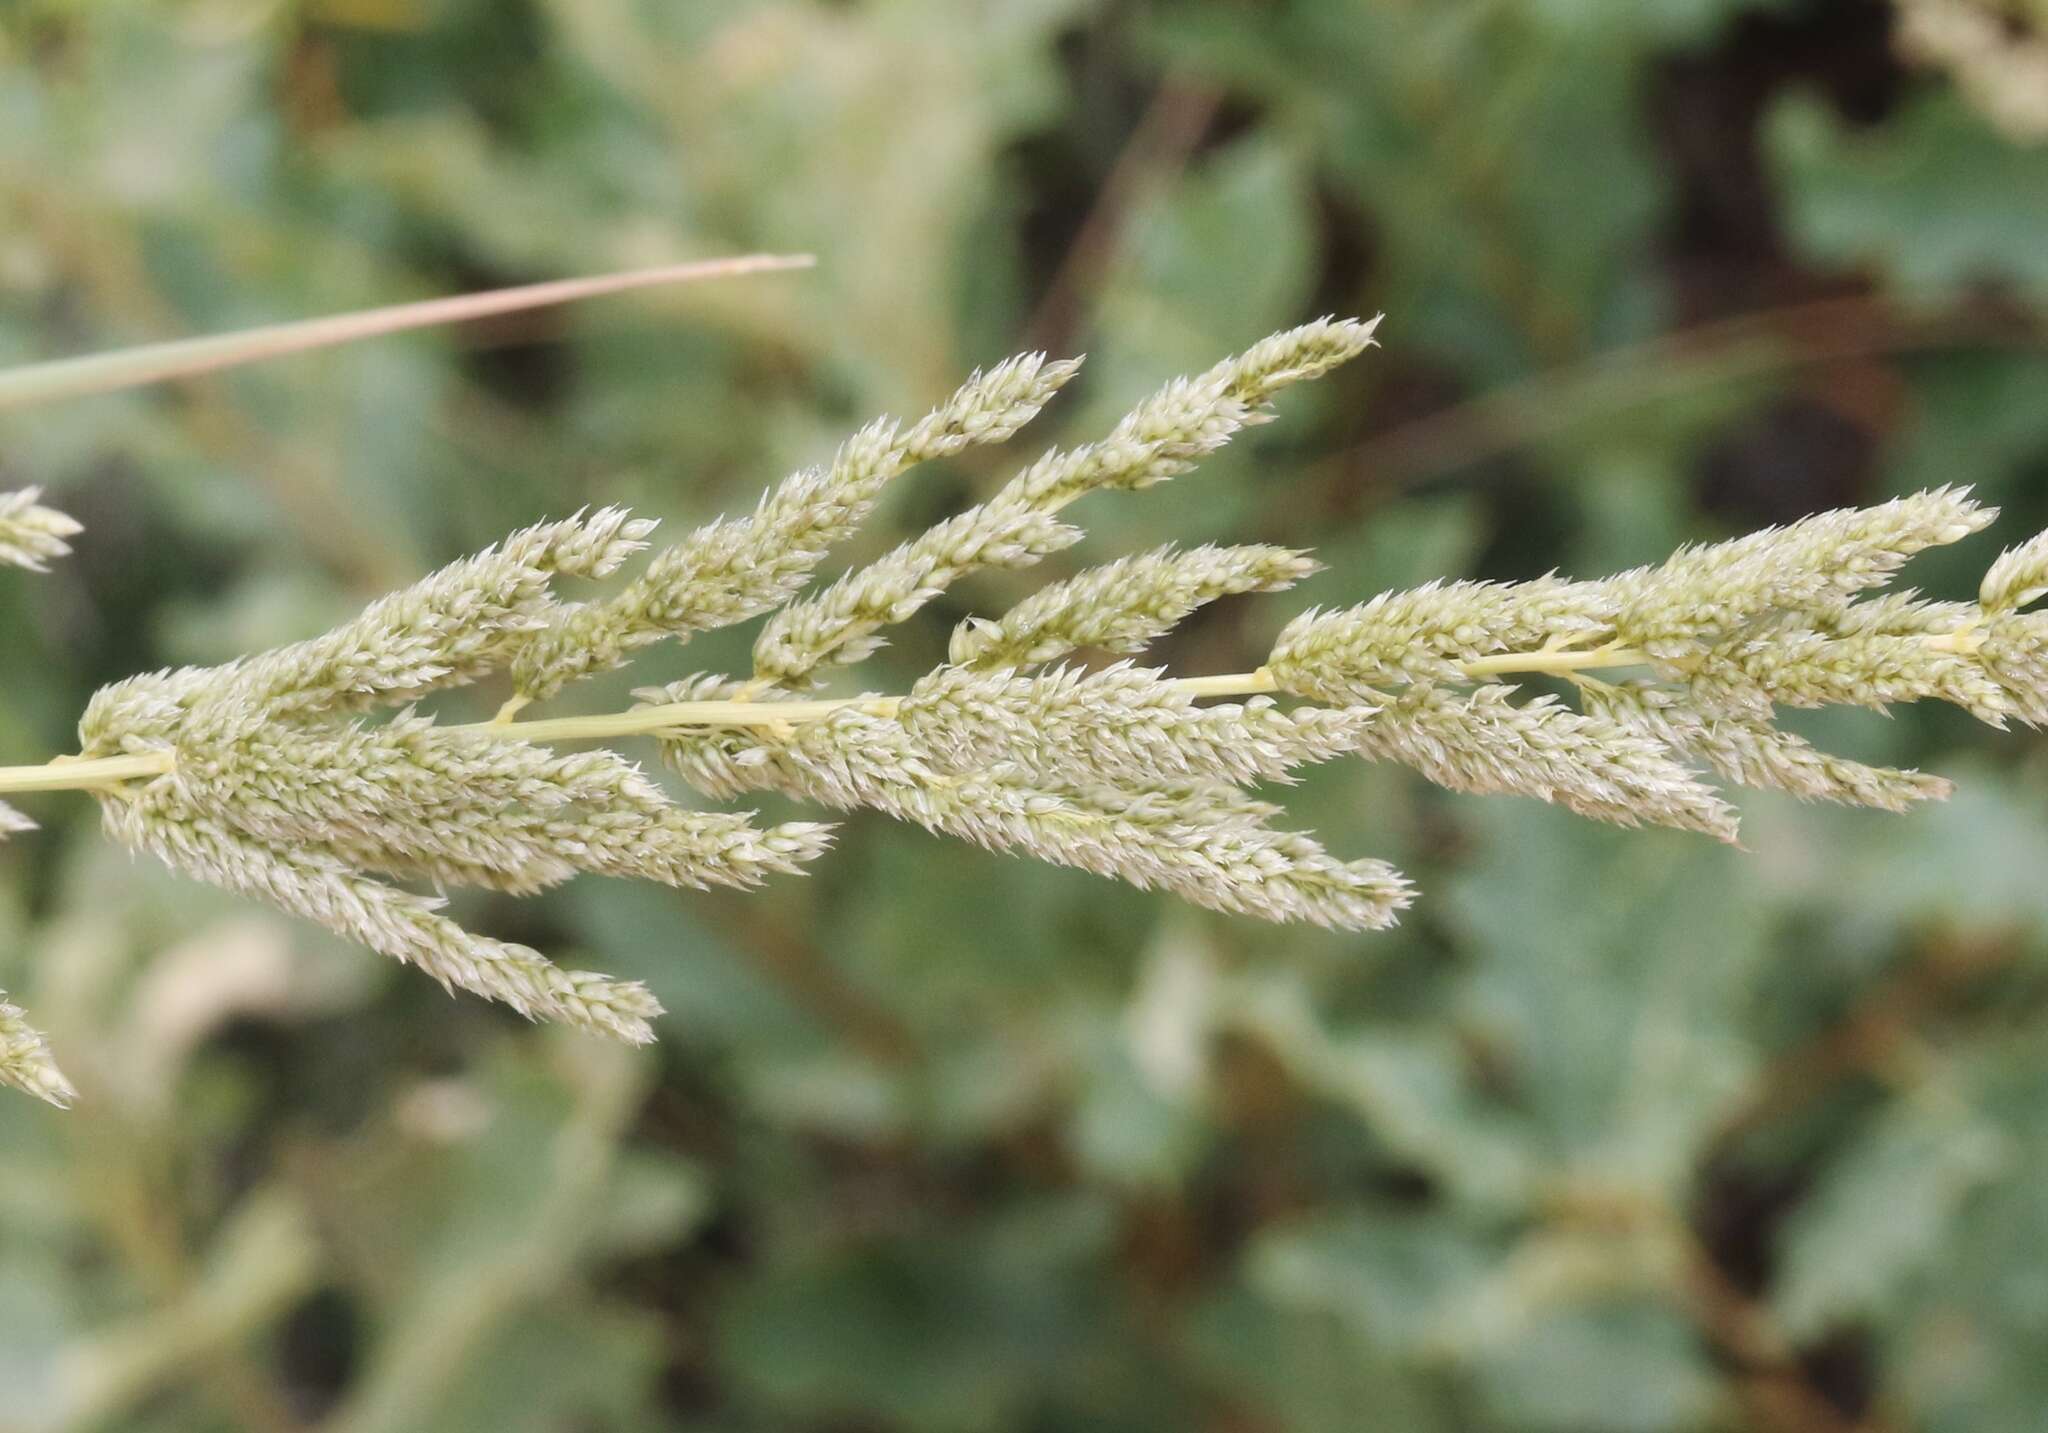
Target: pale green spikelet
(2018,578)
(25,1059)
(1706,593)
(1122,606)
(1894,614)
(1757,754)
(271,789)
(315,882)
(1430,633)
(1729,633)
(1134,723)
(1483,741)
(450,629)
(32,535)
(1797,668)
(852,760)
(2013,648)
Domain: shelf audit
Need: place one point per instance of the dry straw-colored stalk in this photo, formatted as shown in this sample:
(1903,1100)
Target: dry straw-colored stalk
(265,777)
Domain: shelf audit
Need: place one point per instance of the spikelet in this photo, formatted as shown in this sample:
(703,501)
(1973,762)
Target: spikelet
(1705,594)
(1481,741)
(1122,606)
(1154,838)
(1729,633)
(25,1059)
(31,535)
(316,883)
(1430,633)
(1126,721)
(1756,754)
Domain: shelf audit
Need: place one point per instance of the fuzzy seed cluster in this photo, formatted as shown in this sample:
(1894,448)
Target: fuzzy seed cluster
(309,777)
(279,791)
(1680,669)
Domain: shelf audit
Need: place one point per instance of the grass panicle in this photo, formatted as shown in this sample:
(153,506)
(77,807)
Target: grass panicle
(267,777)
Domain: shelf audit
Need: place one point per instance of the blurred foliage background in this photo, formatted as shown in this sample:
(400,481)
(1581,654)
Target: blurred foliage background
(1620,1131)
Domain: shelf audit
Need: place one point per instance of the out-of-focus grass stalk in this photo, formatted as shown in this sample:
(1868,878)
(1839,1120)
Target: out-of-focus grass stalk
(262,1262)
(437,1340)
(183,358)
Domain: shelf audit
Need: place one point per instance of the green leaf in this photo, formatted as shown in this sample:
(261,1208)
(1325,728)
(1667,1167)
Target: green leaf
(1617,1368)
(1883,1211)
(1958,1351)
(925,1335)
(1125,1132)
(1935,200)
(1396,1277)
(558,1367)
(1305,1372)
(1611,980)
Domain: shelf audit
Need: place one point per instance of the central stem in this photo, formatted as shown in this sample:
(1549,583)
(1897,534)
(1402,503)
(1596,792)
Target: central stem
(72,773)
(76,773)
(672,715)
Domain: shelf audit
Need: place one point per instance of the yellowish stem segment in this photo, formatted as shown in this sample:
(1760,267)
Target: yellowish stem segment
(72,773)
(1963,641)
(69,773)
(75,773)
(1555,663)
(669,716)
(673,716)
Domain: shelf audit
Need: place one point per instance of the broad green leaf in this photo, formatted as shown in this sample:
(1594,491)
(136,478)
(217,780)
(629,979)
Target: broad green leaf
(1305,1372)
(1398,1278)
(1935,201)
(1611,978)
(1884,1210)
(1617,1368)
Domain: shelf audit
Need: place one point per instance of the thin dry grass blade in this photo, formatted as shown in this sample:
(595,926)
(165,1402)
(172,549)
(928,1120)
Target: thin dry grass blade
(151,363)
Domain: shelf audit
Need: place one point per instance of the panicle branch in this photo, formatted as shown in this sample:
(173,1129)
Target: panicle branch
(737,568)
(1161,438)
